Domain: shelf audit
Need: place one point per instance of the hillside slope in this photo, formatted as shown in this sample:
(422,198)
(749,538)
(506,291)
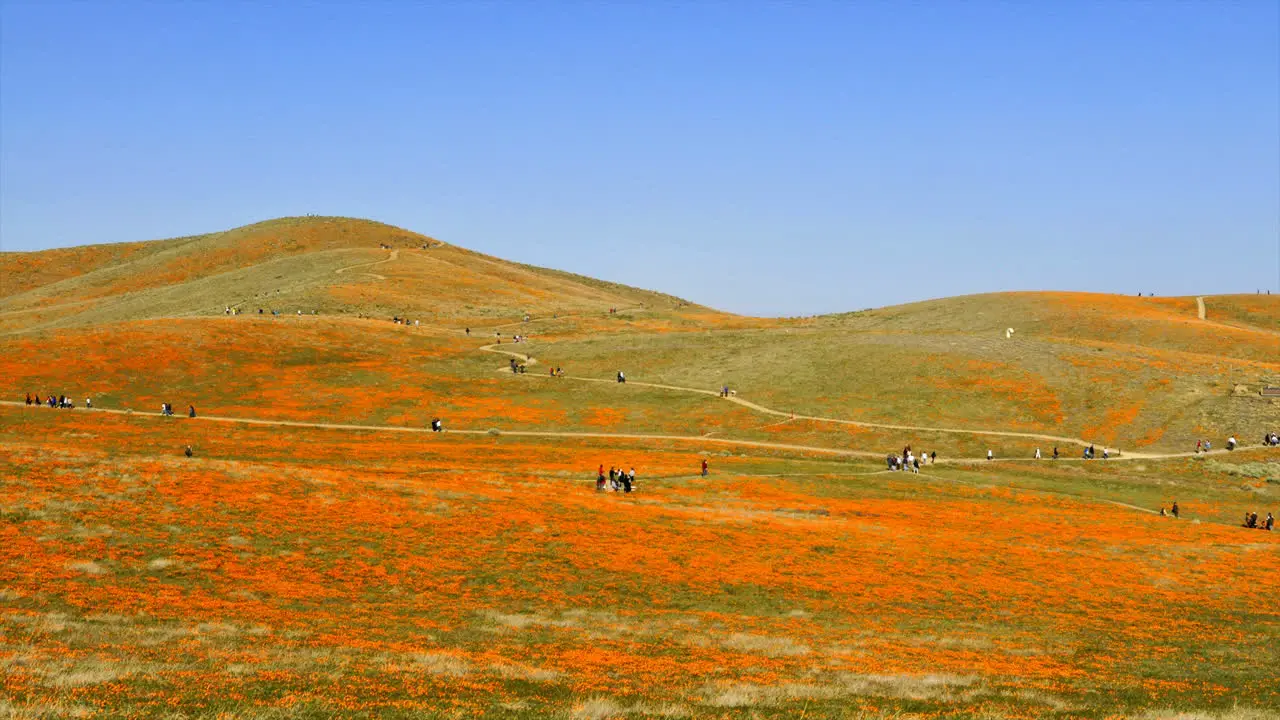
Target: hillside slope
(1137,373)
(309,264)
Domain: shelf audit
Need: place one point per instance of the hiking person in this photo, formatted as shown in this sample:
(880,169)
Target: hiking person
(28,398)
(1231,443)
(1055,452)
(191,411)
(891,461)
(1105,453)
(88,402)
(1037,453)
(704,467)
(187,452)
(626,481)
(468,332)
(933,457)
(600,479)
(990,455)
(622,378)
(1268,523)
(915,465)
(613,477)
(1199,444)
(436,426)
(1174,509)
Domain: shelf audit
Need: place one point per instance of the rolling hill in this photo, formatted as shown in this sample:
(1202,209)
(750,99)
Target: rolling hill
(1136,373)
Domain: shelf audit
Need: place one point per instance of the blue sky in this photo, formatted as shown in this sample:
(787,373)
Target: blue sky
(765,158)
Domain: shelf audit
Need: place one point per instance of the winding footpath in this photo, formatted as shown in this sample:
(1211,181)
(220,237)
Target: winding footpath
(394,254)
(1079,442)
(697,439)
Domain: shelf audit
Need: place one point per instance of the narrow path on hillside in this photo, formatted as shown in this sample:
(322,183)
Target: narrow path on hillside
(1203,315)
(837,421)
(599,435)
(394,254)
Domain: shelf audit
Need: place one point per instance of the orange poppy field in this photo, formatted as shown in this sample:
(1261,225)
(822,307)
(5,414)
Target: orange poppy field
(320,552)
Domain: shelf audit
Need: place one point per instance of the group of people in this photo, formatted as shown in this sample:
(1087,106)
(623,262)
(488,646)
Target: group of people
(403,321)
(62,401)
(1089,453)
(557,371)
(1271,439)
(908,460)
(517,368)
(1172,511)
(166,409)
(618,479)
(726,392)
(1251,521)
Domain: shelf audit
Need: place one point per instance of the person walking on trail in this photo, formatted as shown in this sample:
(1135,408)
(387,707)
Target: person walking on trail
(188,452)
(933,457)
(191,411)
(626,480)
(622,378)
(88,402)
(1037,453)
(915,465)
(1268,523)
(435,425)
(1055,452)
(1174,510)
(990,455)
(1199,444)
(468,332)
(1231,443)
(704,467)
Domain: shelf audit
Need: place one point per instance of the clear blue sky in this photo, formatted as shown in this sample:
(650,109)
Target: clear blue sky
(767,158)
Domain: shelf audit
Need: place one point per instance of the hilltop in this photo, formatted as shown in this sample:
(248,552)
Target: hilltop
(328,265)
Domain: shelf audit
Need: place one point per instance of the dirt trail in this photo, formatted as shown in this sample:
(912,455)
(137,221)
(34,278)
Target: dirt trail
(394,254)
(502,433)
(839,421)
(601,435)
(1200,308)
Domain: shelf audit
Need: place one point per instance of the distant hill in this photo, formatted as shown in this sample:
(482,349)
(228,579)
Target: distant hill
(324,264)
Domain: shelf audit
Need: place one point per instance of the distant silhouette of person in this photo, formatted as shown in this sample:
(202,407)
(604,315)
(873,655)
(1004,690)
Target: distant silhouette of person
(188,452)
(191,411)
(1174,509)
